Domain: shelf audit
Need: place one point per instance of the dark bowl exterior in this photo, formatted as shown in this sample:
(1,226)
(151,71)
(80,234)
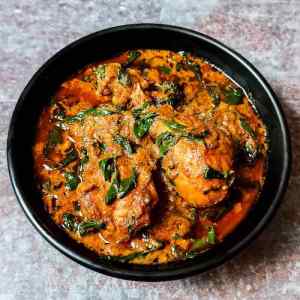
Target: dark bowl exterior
(105,44)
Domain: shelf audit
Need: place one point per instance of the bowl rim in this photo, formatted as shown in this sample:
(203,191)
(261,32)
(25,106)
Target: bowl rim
(180,272)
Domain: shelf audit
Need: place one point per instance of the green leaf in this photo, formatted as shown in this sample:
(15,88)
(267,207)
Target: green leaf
(246,126)
(183,53)
(90,226)
(72,180)
(196,137)
(214,93)
(99,145)
(188,65)
(69,222)
(128,258)
(165,70)
(165,141)
(211,236)
(84,159)
(87,78)
(173,101)
(123,77)
(210,239)
(143,123)
(210,173)
(191,254)
(132,56)
(173,125)
(172,93)
(179,66)
(248,153)
(70,157)
(154,245)
(59,114)
(169,87)
(126,185)
(52,101)
(54,138)
(233,96)
(195,68)
(199,244)
(100,71)
(138,111)
(98,111)
(112,192)
(107,167)
(124,142)
(193,215)
(102,146)
(176,236)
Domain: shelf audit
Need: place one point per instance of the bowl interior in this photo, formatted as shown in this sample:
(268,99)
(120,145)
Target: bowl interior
(108,43)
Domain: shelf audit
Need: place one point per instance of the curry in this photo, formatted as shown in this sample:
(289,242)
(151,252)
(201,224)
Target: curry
(150,157)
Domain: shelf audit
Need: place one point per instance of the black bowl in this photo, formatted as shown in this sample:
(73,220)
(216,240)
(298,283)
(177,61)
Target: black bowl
(108,43)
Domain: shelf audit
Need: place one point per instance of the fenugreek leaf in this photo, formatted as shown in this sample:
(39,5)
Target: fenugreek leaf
(54,138)
(246,126)
(98,111)
(128,184)
(72,180)
(124,143)
(164,142)
(143,123)
(233,96)
(90,226)
(108,168)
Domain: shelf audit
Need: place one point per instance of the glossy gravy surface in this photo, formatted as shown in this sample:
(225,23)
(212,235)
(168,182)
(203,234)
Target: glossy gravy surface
(150,157)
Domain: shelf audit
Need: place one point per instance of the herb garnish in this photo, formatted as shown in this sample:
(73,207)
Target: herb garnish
(132,56)
(70,157)
(100,71)
(123,77)
(143,123)
(72,180)
(246,126)
(86,227)
(108,167)
(214,93)
(84,159)
(173,125)
(211,173)
(164,142)
(165,70)
(124,142)
(120,188)
(54,138)
(98,111)
(71,223)
(233,96)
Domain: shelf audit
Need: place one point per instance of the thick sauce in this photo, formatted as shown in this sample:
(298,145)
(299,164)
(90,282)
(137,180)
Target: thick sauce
(150,157)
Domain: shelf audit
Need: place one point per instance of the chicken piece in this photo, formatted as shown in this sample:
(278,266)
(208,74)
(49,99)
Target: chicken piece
(112,79)
(165,112)
(88,205)
(121,92)
(138,97)
(109,73)
(77,91)
(133,212)
(187,163)
(172,225)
